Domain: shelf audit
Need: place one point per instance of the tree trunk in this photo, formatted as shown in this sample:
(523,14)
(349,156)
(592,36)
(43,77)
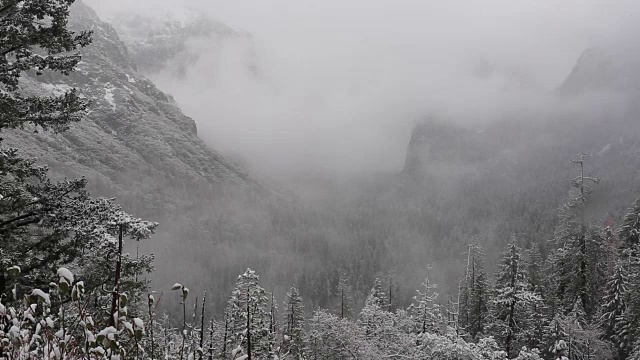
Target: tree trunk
(3,280)
(116,287)
(226,332)
(204,299)
(342,304)
(507,341)
(248,327)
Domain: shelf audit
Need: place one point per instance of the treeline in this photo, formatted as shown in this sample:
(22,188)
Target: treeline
(581,302)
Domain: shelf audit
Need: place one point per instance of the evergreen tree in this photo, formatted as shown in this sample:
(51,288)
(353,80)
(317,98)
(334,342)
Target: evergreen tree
(425,310)
(274,326)
(474,292)
(249,319)
(294,324)
(345,297)
(512,300)
(629,233)
(580,255)
(537,319)
(392,294)
(628,325)
(480,303)
(370,313)
(25,37)
(534,270)
(379,295)
(614,305)
(627,333)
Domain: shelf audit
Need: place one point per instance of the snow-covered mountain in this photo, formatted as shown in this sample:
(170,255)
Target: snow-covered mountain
(162,39)
(135,143)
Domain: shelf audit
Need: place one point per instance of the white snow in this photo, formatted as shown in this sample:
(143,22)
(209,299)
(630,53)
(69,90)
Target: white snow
(108,330)
(65,273)
(41,294)
(56,89)
(108,95)
(139,324)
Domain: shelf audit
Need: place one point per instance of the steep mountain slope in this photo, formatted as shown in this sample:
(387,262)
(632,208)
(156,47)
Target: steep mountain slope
(135,142)
(601,70)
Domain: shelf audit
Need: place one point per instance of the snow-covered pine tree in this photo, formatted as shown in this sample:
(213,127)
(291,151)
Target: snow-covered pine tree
(627,336)
(629,233)
(249,319)
(614,306)
(628,328)
(25,37)
(293,339)
(392,293)
(534,269)
(379,294)
(425,311)
(512,300)
(474,291)
(227,330)
(345,297)
(580,253)
(274,324)
(369,314)
(537,318)
(481,302)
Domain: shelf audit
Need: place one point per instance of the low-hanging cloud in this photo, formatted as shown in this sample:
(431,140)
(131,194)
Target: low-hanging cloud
(337,85)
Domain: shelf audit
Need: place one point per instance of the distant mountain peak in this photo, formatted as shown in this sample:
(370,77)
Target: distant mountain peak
(438,142)
(594,70)
(159,38)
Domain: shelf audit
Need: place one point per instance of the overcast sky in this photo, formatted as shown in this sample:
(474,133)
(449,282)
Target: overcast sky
(342,81)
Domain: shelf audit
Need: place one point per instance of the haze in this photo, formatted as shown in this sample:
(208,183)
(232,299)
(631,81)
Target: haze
(339,84)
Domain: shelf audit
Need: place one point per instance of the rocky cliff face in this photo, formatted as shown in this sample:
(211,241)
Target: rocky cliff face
(437,143)
(134,142)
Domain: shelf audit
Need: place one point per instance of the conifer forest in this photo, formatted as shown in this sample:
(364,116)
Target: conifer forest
(306,181)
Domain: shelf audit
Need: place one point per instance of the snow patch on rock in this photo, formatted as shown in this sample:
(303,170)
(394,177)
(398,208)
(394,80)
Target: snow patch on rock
(108,96)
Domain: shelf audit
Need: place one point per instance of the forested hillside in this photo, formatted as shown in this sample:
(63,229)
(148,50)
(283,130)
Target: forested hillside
(132,133)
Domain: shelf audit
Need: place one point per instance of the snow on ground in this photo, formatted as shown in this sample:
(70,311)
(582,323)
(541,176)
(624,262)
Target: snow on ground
(109,97)
(56,89)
